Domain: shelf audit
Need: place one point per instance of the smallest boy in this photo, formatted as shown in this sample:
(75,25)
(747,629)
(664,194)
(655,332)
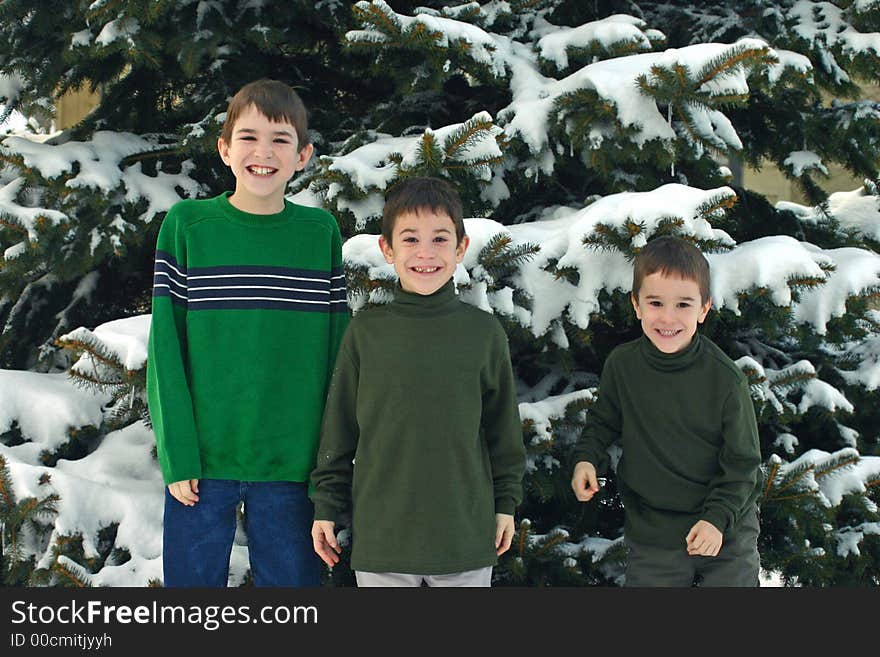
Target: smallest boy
(689,471)
(421,437)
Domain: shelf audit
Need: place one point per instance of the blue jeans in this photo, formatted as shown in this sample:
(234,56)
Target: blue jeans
(197,540)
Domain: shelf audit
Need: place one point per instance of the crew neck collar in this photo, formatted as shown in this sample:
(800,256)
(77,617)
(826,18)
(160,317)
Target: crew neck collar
(250,219)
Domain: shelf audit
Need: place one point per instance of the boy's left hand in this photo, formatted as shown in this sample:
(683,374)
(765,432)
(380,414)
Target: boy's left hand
(704,539)
(503,532)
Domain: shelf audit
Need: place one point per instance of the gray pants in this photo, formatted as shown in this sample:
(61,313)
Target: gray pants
(480,577)
(737,563)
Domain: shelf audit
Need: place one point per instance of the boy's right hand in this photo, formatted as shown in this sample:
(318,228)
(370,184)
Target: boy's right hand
(584,481)
(185,492)
(323,539)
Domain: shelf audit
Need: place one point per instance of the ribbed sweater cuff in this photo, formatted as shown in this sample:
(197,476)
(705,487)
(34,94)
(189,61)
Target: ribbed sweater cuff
(718,518)
(505,505)
(325,511)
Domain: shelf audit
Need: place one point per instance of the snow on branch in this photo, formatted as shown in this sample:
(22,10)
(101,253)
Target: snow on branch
(856,212)
(617,34)
(356,181)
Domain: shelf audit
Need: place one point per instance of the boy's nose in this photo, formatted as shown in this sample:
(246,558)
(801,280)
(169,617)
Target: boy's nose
(263,150)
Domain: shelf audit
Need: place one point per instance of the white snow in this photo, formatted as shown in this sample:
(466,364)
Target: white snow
(555,40)
(28,218)
(856,271)
(866,355)
(122,28)
(374,166)
(798,162)
(856,211)
(126,339)
(830,476)
(45,406)
(117,483)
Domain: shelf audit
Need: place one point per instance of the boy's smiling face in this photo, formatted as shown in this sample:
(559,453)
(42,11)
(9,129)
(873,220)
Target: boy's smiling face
(423,250)
(263,156)
(670,308)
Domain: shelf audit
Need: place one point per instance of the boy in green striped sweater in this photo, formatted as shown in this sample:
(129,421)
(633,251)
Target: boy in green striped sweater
(249,307)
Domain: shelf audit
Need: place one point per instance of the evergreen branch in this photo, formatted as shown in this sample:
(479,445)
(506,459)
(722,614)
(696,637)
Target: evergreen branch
(550,543)
(524,526)
(69,575)
(770,477)
(792,497)
(474,164)
(728,99)
(147,155)
(432,156)
(716,206)
(837,466)
(94,349)
(467,135)
(727,64)
(14,225)
(7,494)
(378,14)
(809,282)
(796,478)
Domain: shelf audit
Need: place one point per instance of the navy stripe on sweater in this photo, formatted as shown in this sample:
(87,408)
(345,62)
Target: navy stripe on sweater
(249,287)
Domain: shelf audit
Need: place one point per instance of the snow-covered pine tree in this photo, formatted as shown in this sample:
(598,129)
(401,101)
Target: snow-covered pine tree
(576,132)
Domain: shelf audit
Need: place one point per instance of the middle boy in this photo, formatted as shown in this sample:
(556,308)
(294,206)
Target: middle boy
(421,439)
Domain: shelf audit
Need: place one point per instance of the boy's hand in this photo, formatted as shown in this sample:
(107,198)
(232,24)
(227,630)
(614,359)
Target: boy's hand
(185,491)
(503,532)
(584,481)
(704,539)
(323,539)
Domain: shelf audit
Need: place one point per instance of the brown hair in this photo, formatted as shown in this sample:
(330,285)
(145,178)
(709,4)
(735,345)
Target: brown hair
(671,256)
(424,193)
(276,101)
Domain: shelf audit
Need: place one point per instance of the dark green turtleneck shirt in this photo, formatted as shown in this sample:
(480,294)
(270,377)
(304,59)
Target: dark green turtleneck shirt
(423,400)
(689,437)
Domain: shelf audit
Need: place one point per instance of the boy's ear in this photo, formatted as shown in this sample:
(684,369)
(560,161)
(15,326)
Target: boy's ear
(303,157)
(635,303)
(462,248)
(704,310)
(223,149)
(385,247)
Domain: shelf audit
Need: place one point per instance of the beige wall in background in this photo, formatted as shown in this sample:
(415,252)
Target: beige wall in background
(73,106)
(769,181)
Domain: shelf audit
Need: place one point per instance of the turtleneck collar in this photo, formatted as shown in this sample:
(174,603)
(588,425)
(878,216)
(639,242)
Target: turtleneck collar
(670,362)
(410,304)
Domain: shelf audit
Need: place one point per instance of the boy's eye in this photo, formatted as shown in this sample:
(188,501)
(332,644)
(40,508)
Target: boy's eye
(440,239)
(656,304)
(248,138)
(410,240)
(282,140)
(684,304)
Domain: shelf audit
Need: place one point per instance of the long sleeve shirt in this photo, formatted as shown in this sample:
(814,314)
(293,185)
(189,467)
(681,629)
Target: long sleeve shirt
(248,313)
(689,438)
(422,439)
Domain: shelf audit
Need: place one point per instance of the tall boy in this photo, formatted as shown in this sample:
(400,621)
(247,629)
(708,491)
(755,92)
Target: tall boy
(689,470)
(421,438)
(248,310)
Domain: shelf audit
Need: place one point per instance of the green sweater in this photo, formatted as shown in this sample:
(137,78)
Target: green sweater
(423,401)
(248,312)
(689,438)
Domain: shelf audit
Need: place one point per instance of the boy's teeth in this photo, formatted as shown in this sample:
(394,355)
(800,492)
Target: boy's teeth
(667,333)
(261,171)
(426,270)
